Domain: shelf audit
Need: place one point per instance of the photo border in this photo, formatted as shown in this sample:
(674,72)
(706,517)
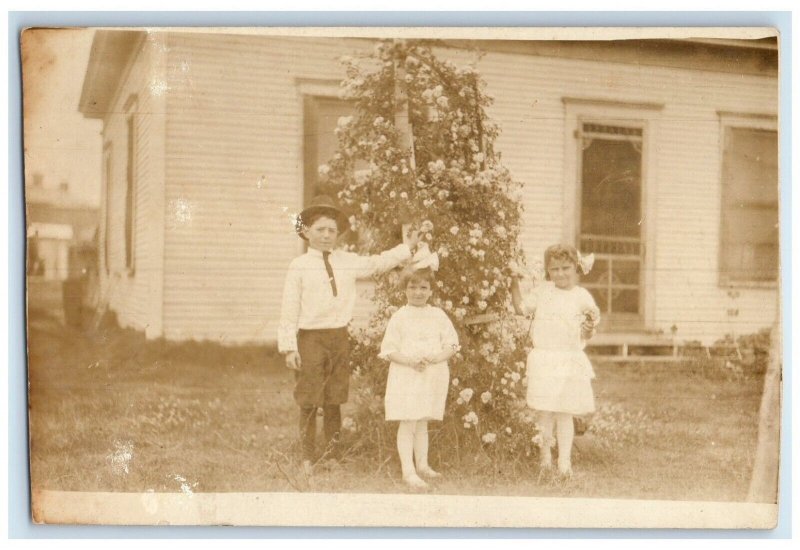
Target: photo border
(19,522)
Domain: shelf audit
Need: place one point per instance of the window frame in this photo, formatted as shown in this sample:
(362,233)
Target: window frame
(108,176)
(131,120)
(752,121)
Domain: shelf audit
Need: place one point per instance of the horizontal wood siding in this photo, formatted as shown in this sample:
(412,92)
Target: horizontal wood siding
(136,295)
(234,178)
(528,106)
(234,174)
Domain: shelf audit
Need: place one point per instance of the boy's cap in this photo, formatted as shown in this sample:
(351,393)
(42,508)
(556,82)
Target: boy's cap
(321,204)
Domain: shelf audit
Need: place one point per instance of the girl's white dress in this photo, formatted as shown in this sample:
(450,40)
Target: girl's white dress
(559,372)
(417,331)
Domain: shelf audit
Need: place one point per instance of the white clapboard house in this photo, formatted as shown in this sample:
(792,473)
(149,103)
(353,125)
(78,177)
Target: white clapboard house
(658,155)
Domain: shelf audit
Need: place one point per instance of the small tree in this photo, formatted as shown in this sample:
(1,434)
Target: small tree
(426,146)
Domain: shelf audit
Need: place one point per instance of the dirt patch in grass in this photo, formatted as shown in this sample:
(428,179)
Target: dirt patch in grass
(111,412)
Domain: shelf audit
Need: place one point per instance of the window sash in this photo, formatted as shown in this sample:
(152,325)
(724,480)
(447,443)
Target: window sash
(749,250)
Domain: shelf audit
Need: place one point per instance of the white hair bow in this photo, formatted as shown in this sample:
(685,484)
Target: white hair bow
(586,262)
(424,258)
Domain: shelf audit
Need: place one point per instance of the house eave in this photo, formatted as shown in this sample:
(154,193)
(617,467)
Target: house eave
(110,55)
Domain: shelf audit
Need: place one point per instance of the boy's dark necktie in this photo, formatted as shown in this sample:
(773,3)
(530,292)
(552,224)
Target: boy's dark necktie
(329,269)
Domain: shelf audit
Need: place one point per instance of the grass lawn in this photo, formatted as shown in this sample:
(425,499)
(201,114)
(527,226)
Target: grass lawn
(109,412)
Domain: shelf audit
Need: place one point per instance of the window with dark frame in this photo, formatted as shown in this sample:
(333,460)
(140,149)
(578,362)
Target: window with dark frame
(130,193)
(320,117)
(749,232)
(107,171)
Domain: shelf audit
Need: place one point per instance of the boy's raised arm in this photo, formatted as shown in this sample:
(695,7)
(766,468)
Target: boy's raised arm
(388,259)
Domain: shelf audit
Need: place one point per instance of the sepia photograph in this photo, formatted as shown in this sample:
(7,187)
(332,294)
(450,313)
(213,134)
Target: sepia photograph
(418,277)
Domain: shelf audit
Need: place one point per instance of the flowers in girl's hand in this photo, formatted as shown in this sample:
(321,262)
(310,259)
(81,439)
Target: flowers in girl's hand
(486,397)
(426,227)
(590,316)
(489,438)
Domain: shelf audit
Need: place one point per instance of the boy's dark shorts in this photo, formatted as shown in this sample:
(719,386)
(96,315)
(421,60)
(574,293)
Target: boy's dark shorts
(324,375)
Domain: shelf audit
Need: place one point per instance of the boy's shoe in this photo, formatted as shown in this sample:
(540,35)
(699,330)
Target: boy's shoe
(427,471)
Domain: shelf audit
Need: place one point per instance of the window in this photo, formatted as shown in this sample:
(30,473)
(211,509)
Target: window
(321,115)
(749,232)
(130,185)
(107,171)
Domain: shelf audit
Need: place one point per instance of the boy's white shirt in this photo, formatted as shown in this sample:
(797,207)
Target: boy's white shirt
(308,301)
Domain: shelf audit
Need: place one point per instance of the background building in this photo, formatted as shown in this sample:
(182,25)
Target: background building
(658,155)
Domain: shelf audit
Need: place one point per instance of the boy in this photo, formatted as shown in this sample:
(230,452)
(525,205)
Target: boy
(318,301)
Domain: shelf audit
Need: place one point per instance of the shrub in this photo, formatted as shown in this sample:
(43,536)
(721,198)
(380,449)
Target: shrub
(439,167)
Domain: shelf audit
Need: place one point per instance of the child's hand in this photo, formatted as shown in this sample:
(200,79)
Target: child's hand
(415,362)
(293,360)
(418,363)
(410,237)
(516,271)
(589,324)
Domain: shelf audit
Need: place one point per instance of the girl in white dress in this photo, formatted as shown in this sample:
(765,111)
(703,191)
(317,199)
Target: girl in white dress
(559,373)
(419,340)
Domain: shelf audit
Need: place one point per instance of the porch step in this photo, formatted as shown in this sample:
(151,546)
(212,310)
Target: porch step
(632,346)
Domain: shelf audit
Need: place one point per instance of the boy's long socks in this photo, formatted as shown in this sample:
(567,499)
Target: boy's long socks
(308,431)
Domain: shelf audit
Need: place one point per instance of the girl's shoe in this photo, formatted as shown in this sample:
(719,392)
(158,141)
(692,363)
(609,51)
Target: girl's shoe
(415,482)
(427,471)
